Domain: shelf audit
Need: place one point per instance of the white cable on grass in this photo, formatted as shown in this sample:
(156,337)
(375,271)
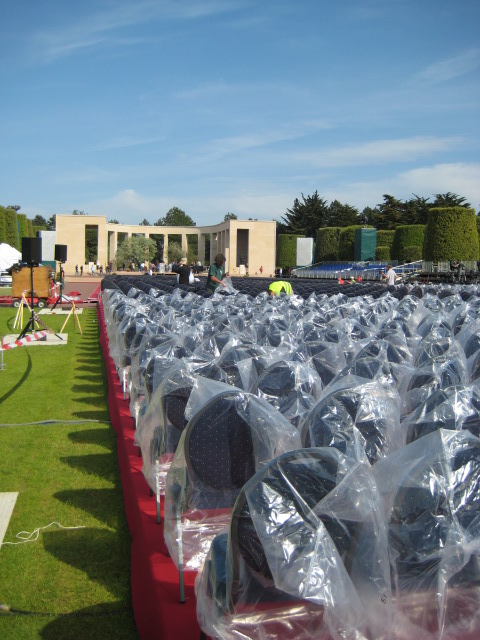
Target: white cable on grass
(45,422)
(25,536)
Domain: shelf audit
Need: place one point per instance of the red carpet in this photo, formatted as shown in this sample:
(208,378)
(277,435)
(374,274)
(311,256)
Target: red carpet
(155,592)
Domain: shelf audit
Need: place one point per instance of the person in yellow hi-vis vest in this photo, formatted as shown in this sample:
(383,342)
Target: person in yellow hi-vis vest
(278,287)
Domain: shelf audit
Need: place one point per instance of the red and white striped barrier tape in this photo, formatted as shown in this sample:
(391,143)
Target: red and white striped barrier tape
(38,335)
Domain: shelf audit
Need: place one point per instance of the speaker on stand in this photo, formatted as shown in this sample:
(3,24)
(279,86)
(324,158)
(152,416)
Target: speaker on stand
(60,256)
(31,255)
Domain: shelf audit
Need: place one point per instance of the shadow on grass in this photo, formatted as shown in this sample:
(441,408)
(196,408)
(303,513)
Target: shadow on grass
(101,437)
(87,377)
(102,465)
(84,359)
(88,368)
(102,504)
(101,415)
(97,386)
(102,555)
(99,622)
(22,380)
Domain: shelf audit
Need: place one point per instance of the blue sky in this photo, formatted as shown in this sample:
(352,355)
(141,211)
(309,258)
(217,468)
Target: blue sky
(127,108)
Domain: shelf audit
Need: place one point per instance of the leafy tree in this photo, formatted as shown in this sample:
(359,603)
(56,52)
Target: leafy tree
(416,210)
(307,216)
(369,216)
(390,213)
(341,215)
(113,221)
(230,216)
(175,252)
(39,221)
(52,223)
(136,249)
(91,243)
(175,217)
(450,200)
(76,212)
(144,223)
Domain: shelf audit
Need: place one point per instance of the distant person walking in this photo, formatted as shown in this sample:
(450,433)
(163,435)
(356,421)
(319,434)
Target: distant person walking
(76,270)
(81,270)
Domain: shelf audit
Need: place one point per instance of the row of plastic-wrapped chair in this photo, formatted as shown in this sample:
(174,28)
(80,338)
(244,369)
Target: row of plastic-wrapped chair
(319,455)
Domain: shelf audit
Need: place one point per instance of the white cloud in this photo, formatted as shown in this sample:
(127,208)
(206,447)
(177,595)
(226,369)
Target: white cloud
(129,206)
(122,142)
(460,178)
(378,151)
(445,70)
(101,29)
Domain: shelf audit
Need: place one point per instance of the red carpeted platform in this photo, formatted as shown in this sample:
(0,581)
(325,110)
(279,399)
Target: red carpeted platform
(155,591)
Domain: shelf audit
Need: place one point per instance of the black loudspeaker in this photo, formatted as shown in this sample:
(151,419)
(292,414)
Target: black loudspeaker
(61,252)
(32,250)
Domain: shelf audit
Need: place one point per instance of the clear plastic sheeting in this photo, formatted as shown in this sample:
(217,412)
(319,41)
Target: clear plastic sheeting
(305,556)
(453,408)
(430,490)
(395,364)
(160,427)
(227,440)
(291,387)
(359,418)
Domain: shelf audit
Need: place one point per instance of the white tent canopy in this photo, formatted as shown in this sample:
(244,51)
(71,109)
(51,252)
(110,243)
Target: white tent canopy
(8,256)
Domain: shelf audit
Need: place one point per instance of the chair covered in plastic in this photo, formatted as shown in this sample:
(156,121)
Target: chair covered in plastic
(292,387)
(358,417)
(224,443)
(430,490)
(305,555)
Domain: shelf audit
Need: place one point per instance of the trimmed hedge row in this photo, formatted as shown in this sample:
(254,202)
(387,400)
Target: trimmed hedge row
(385,238)
(326,244)
(346,243)
(287,250)
(411,235)
(451,233)
(9,227)
(382,253)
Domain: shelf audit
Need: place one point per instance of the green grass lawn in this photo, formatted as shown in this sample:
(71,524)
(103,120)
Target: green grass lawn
(75,581)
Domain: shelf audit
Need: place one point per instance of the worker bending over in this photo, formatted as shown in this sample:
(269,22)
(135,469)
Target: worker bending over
(278,287)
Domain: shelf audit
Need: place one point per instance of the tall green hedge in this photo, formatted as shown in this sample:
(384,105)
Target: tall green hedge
(411,235)
(326,244)
(382,253)
(3,224)
(385,237)
(451,234)
(287,250)
(10,229)
(412,253)
(346,244)
(22,226)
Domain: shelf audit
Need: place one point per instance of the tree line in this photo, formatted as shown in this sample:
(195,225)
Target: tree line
(312,212)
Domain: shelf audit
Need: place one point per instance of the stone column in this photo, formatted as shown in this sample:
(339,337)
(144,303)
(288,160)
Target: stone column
(165,247)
